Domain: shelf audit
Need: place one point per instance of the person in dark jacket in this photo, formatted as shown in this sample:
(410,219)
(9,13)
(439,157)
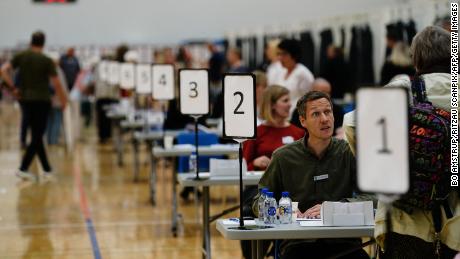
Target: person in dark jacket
(70,66)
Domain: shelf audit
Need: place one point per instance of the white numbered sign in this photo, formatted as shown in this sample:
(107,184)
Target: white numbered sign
(239,106)
(103,70)
(127,76)
(143,79)
(382,140)
(163,82)
(114,72)
(194,91)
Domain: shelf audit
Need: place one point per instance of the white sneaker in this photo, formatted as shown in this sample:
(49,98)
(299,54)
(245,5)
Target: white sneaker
(49,176)
(25,175)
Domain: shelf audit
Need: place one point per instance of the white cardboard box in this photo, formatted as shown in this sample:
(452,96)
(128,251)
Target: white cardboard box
(347,213)
(226,167)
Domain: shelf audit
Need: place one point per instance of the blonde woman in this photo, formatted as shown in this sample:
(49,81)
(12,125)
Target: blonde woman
(275,131)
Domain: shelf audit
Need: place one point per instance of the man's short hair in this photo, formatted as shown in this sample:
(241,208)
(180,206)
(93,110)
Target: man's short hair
(38,39)
(308,97)
(292,47)
(431,48)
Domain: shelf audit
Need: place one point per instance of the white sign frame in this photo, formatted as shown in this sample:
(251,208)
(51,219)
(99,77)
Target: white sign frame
(127,82)
(383,151)
(102,70)
(143,86)
(160,91)
(189,105)
(231,85)
(114,73)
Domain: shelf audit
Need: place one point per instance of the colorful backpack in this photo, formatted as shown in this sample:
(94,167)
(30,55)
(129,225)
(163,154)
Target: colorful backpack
(429,153)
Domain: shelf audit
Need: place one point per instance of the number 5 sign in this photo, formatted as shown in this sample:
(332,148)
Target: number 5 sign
(239,106)
(382,140)
(194,91)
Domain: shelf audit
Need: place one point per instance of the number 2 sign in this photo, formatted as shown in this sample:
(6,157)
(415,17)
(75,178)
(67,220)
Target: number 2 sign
(382,140)
(239,106)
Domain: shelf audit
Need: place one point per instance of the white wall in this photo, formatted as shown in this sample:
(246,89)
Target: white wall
(161,21)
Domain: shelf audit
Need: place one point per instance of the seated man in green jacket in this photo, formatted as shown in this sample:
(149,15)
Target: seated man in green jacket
(313,169)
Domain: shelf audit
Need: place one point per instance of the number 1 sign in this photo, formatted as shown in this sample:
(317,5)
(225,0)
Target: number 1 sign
(194,91)
(239,106)
(382,140)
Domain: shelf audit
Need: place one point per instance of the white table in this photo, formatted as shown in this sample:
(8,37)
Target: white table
(187,150)
(291,231)
(116,115)
(188,180)
(176,151)
(149,137)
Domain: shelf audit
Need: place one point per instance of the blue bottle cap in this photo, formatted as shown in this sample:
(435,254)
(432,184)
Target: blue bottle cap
(270,194)
(264,190)
(285,194)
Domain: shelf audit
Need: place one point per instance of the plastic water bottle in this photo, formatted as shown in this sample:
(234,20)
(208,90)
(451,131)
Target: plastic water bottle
(270,209)
(285,208)
(192,162)
(261,202)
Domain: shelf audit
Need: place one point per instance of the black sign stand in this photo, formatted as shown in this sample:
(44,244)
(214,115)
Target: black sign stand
(240,140)
(197,169)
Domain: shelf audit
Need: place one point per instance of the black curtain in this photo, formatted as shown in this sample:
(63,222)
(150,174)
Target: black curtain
(361,61)
(308,50)
(326,40)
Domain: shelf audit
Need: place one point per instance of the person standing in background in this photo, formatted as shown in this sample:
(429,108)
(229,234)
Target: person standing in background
(53,130)
(70,66)
(36,72)
(274,67)
(234,61)
(295,76)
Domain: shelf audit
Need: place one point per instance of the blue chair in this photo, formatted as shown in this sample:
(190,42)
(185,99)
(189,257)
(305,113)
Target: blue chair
(204,139)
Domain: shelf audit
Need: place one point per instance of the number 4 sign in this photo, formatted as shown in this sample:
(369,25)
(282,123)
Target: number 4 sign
(239,106)
(163,82)
(382,140)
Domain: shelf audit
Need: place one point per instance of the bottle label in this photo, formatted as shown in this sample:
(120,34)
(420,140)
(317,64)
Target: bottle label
(272,211)
(283,210)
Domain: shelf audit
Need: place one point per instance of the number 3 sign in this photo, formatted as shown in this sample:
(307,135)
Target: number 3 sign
(239,106)
(382,140)
(194,91)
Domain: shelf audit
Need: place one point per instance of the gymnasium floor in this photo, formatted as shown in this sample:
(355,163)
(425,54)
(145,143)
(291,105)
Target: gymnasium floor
(93,209)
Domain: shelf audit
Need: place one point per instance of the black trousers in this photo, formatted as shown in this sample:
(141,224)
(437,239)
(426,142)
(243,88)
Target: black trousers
(104,127)
(36,113)
(24,126)
(409,247)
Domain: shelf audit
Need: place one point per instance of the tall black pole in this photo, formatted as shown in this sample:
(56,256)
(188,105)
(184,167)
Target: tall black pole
(196,149)
(240,151)
(163,109)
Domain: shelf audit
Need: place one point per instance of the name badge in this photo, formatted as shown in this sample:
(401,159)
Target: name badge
(320,177)
(287,139)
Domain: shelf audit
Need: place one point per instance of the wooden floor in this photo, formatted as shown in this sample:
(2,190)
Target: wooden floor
(93,206)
